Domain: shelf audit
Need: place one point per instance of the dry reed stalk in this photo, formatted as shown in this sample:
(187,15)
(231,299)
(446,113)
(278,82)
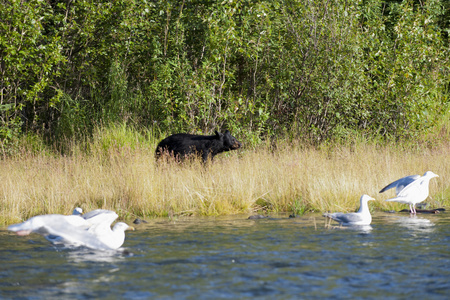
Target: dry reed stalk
(133,184)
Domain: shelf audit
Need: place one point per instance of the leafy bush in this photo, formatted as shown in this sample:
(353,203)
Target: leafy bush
(313,70)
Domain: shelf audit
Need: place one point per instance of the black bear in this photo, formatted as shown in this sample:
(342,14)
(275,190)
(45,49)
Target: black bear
(181,145)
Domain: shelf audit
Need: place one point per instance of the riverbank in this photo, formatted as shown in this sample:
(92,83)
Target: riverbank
(289,178)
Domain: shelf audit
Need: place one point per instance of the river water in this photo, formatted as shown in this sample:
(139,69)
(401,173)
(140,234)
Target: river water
(397,257)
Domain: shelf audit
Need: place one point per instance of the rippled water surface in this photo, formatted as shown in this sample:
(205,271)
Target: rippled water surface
(397,257)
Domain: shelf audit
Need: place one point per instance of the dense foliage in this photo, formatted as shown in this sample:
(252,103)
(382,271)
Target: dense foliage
(311,69)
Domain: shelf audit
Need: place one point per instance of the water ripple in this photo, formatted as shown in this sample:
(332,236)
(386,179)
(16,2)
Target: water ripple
(232,257)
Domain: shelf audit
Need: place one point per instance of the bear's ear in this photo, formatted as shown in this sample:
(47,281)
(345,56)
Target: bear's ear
(227,132)
(219,135)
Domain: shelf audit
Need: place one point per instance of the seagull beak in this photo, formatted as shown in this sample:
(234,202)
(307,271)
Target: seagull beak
(130,228)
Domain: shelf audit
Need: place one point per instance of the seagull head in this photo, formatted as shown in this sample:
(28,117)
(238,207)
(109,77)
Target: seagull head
(121,226)
(366,198)
(430,174)
(78,211)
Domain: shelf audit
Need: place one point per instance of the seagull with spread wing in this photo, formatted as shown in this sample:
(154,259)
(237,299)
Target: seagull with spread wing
(411,189)
(92,230)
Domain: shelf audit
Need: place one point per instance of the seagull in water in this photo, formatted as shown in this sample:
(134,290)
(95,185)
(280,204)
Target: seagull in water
(362,217)
(92,230)
(78,211)
(411,189)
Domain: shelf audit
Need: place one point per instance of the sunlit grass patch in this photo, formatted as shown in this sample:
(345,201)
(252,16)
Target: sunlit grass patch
(124,176)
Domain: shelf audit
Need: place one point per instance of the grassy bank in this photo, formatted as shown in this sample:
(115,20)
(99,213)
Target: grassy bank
(121,174)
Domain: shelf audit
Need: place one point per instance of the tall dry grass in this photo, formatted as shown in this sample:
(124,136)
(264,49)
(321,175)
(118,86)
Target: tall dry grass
(127,179)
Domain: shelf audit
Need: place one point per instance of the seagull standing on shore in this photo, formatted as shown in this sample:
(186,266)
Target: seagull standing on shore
(362,217)
(411,189)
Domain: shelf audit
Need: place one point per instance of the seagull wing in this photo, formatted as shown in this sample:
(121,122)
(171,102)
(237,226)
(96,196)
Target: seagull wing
(100,221)
(57,228)
(412,189)
(72,235)
(400,184)
(100,217)
(98,212)
(415,192)
(349,218)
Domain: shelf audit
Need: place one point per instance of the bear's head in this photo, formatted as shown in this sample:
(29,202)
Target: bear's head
(229,141)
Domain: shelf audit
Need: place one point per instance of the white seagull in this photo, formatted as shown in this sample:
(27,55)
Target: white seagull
(362,217)
(411,189)
(92,230)
(78,211)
